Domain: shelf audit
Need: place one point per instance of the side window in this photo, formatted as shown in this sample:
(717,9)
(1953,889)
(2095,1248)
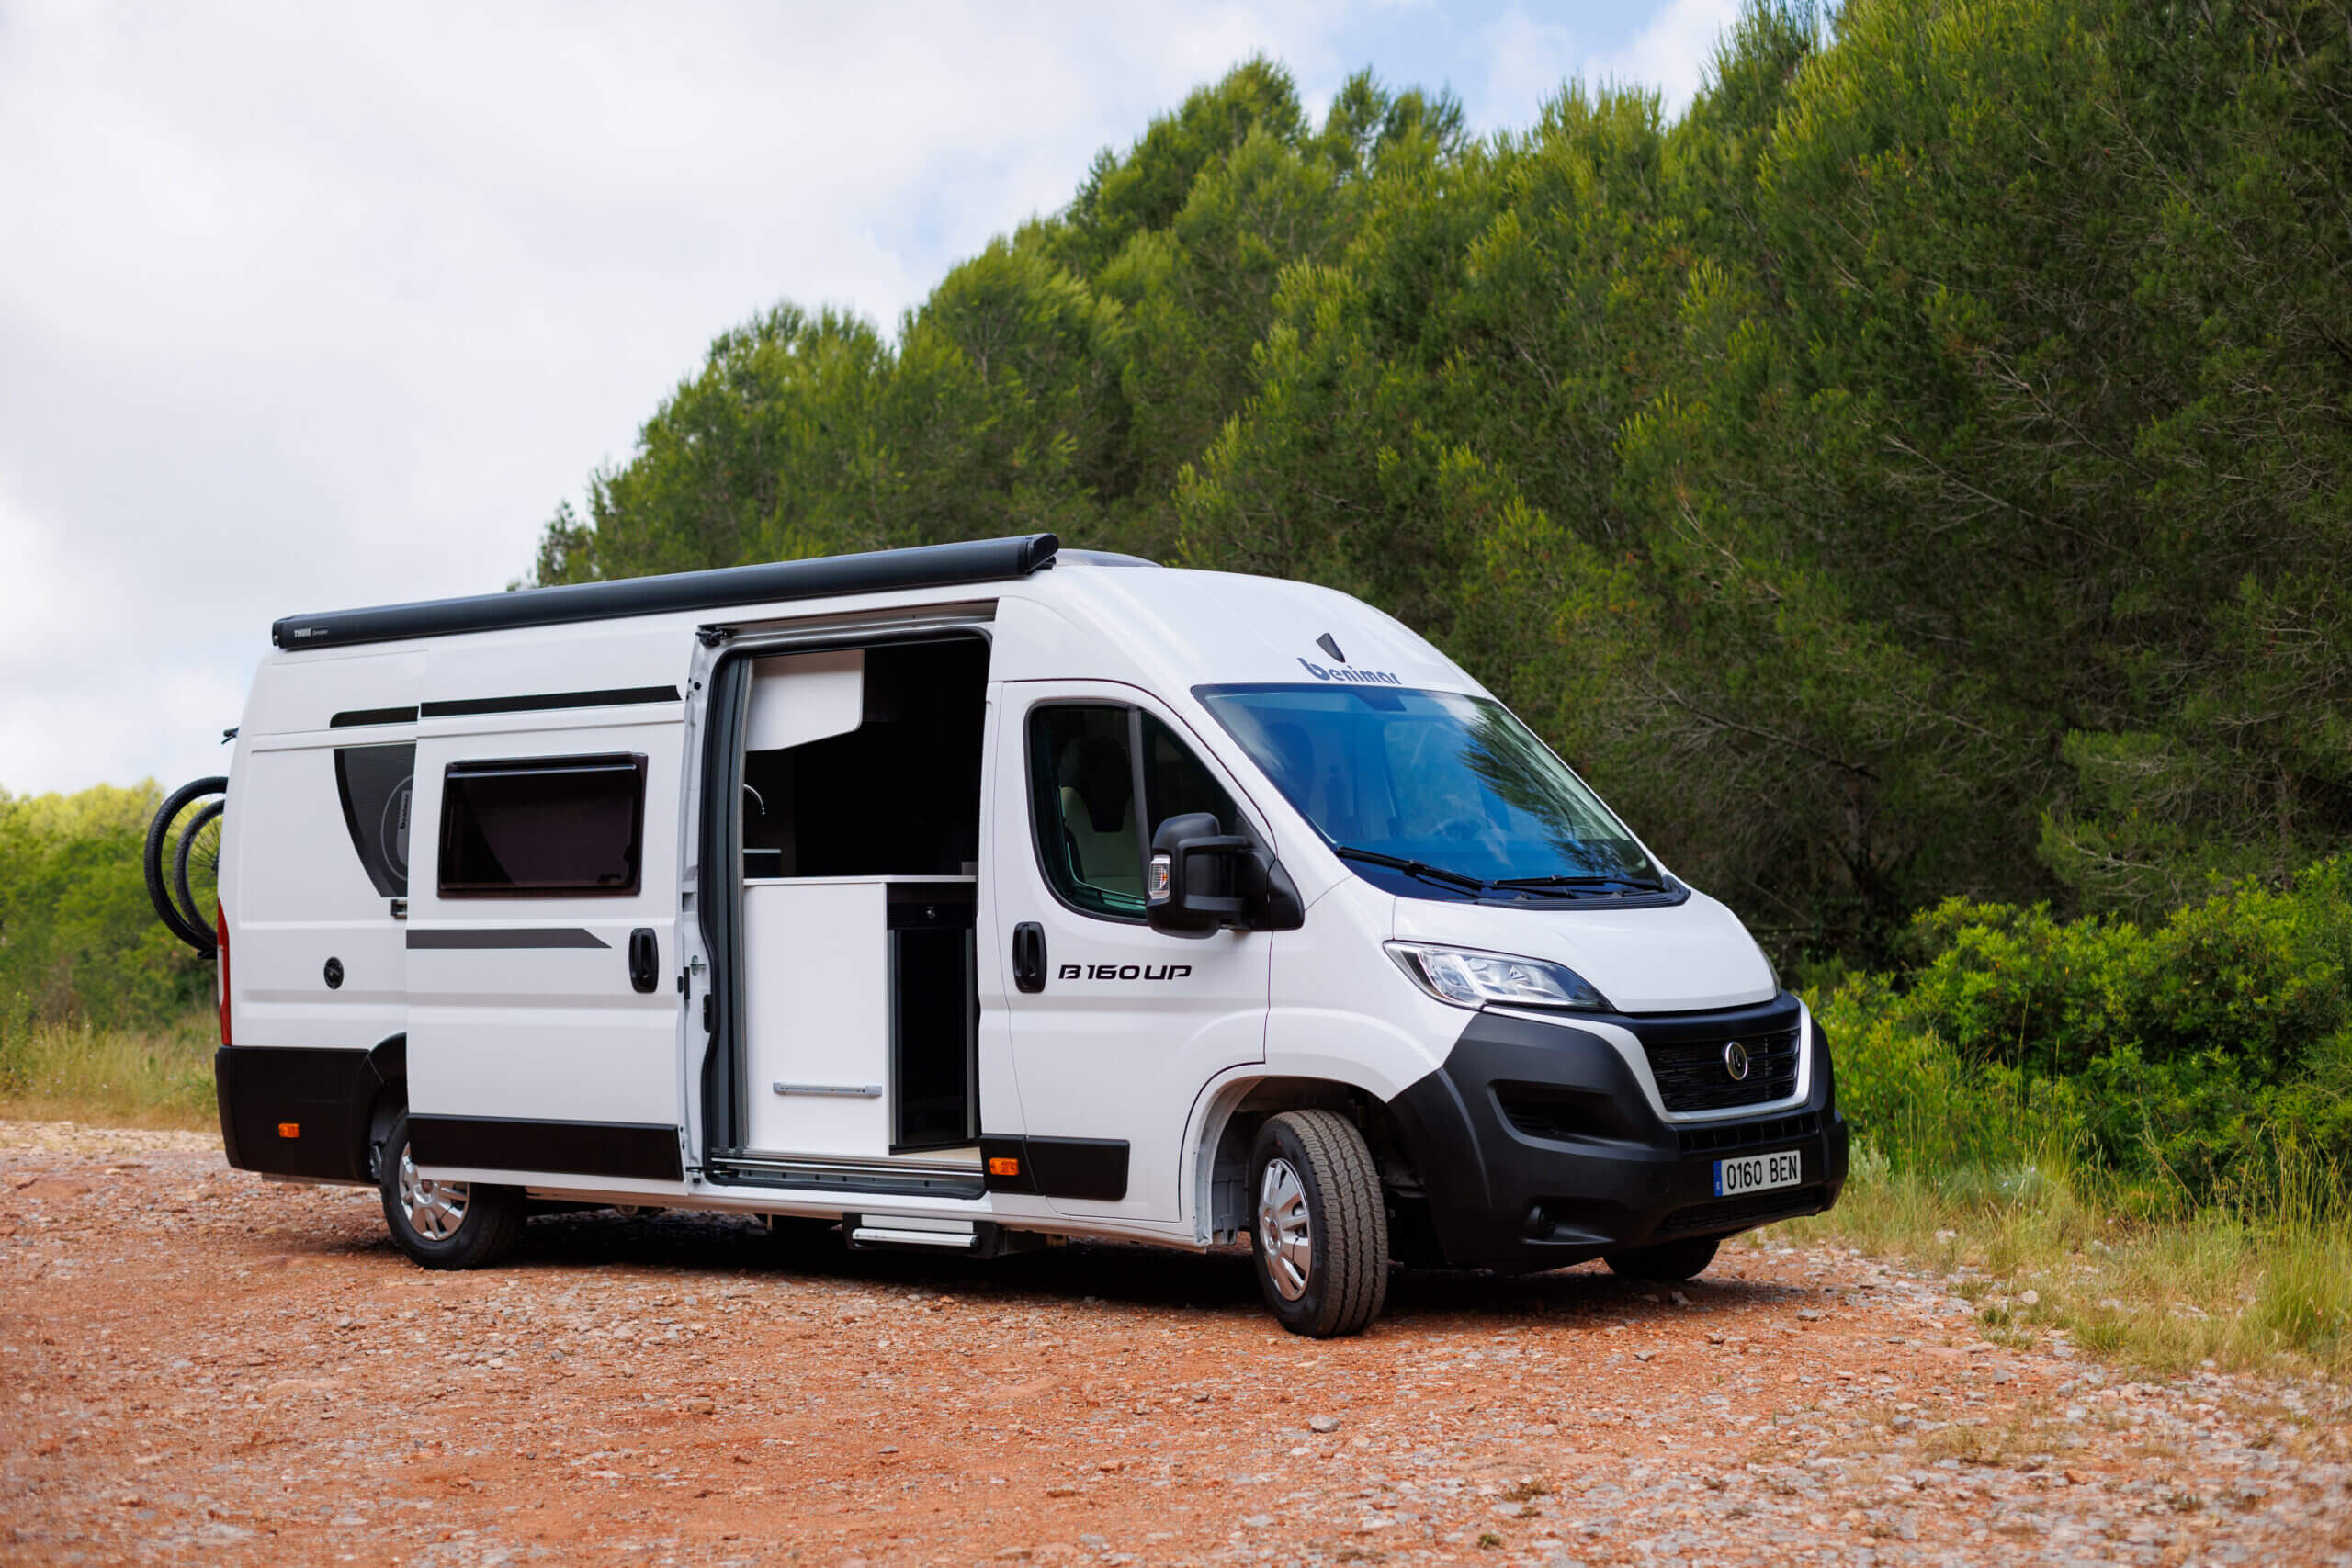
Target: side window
(545,827)
(1176,783)
(374,782)
(1082,779)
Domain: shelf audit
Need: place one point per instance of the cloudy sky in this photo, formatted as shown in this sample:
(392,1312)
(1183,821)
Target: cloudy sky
(314,305)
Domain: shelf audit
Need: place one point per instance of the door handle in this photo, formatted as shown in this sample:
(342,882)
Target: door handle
(644,959)
(1029,956)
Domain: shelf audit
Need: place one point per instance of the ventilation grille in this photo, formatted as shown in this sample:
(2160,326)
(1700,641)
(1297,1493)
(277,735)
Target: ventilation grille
(1748,1135)
(1691,1076)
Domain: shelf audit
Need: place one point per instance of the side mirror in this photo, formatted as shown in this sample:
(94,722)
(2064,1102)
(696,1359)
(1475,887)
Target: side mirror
(1199,878)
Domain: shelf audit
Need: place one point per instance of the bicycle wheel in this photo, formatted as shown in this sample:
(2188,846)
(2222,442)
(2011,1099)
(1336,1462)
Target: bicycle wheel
(196,868)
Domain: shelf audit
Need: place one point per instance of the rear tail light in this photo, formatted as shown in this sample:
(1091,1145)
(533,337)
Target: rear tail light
(220,974)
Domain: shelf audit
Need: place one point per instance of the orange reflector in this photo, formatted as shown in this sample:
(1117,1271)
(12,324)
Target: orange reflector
(1002,1165)
(289,1129)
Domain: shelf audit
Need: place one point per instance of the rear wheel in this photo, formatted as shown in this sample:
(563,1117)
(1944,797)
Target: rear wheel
(1321,1235)
(1667,1260)
(445,1224)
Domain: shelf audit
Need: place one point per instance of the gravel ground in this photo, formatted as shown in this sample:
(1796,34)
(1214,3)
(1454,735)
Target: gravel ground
(199,1366)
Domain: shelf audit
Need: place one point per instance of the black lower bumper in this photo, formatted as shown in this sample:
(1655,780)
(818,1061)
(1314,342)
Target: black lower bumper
(303,1112)
(1536,1147)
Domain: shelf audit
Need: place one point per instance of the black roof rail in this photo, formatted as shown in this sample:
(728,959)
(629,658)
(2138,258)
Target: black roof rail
(876,572)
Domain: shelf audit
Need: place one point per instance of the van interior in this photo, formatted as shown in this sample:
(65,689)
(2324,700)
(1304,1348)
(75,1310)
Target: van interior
(858,778)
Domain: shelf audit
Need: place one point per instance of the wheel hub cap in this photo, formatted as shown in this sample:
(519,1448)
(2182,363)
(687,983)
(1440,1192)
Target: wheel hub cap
(435,1209)
(1284,1236)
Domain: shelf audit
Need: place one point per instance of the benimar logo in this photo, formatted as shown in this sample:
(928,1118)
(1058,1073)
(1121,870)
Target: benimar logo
(1361,677)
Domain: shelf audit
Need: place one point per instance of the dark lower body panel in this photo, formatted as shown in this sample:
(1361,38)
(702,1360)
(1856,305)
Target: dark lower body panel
(300,1111)
(1537,1147)
(646,1152)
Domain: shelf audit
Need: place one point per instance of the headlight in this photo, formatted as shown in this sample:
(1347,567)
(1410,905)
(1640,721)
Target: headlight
(1468,978)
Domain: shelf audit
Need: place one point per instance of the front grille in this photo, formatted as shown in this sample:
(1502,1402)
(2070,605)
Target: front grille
(1691,1076)
(1748,1135)
(1727,1214)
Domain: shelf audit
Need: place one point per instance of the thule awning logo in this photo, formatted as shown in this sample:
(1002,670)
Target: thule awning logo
(1361,677)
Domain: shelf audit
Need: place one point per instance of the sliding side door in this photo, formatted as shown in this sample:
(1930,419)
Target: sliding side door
(544,1032)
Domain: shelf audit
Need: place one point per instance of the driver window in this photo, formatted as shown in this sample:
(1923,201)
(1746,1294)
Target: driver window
(1091,839)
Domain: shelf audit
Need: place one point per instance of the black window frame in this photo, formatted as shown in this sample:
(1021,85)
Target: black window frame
(601,761)
(1044,799)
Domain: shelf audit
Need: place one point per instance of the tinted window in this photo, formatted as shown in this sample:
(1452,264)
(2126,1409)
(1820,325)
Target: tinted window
(374,782)
(543,826)
(1082,786)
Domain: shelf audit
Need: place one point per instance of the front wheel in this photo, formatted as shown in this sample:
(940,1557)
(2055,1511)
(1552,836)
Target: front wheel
(445,1224)
(1321,1236)
(1670,1260)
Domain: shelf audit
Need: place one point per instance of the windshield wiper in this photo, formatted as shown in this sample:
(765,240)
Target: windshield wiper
(1635,882)
(1410,867)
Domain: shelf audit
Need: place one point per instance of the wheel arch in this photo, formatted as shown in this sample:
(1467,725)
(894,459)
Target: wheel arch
(378,1099)
(1225,1131)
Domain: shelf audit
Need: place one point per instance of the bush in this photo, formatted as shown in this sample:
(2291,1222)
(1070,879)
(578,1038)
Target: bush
(2185,1062)
(78,938)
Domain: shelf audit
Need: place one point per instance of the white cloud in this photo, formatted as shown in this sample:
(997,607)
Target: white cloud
(1526,60)
(1674,51)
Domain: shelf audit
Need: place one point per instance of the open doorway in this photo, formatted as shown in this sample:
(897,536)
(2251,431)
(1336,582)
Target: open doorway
(858,828)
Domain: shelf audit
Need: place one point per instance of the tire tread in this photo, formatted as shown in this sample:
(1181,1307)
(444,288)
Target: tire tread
(1355,1221)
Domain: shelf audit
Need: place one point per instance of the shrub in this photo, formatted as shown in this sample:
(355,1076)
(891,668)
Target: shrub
(2184,1061)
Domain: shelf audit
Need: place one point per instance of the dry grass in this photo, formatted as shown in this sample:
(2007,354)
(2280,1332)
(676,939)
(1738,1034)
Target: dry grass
(2268,1286)
(116,1077)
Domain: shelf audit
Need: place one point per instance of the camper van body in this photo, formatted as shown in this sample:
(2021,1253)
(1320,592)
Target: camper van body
(783,891)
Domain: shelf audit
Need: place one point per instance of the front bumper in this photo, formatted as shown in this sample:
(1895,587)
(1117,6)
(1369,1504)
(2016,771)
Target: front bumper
(1536,1147)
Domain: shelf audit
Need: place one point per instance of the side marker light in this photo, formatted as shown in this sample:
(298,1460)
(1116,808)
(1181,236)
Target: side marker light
(289,1129)
(1003,1165)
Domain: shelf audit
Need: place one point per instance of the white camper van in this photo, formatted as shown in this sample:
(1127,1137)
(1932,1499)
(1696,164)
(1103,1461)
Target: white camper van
(973,897)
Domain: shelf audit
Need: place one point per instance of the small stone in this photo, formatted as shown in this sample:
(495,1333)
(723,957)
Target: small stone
(888,1449)
(1678,1299)
(1644,1355)
(1062,1491)
(2029,1298)
(1258,1521)
(1323,1424)
(1808,1315)
(2077,1478)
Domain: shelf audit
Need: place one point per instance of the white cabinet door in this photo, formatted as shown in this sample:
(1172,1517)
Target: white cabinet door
(1128,1024)
(538,857)
(816,997)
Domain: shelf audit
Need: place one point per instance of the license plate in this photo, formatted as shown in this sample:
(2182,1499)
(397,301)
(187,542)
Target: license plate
(1757,1173)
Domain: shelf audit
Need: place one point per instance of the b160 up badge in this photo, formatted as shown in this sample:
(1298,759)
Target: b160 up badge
(1123,971)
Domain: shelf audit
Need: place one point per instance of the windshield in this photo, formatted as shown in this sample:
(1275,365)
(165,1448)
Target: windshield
(1431,781)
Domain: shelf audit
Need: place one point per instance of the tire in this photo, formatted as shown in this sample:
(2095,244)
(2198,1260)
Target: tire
(1320,1241)
(1673,1261)
(184,893)
(159,893)
(488,1221)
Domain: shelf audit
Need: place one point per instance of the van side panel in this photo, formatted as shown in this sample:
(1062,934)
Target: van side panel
(316,959)
(302,899)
